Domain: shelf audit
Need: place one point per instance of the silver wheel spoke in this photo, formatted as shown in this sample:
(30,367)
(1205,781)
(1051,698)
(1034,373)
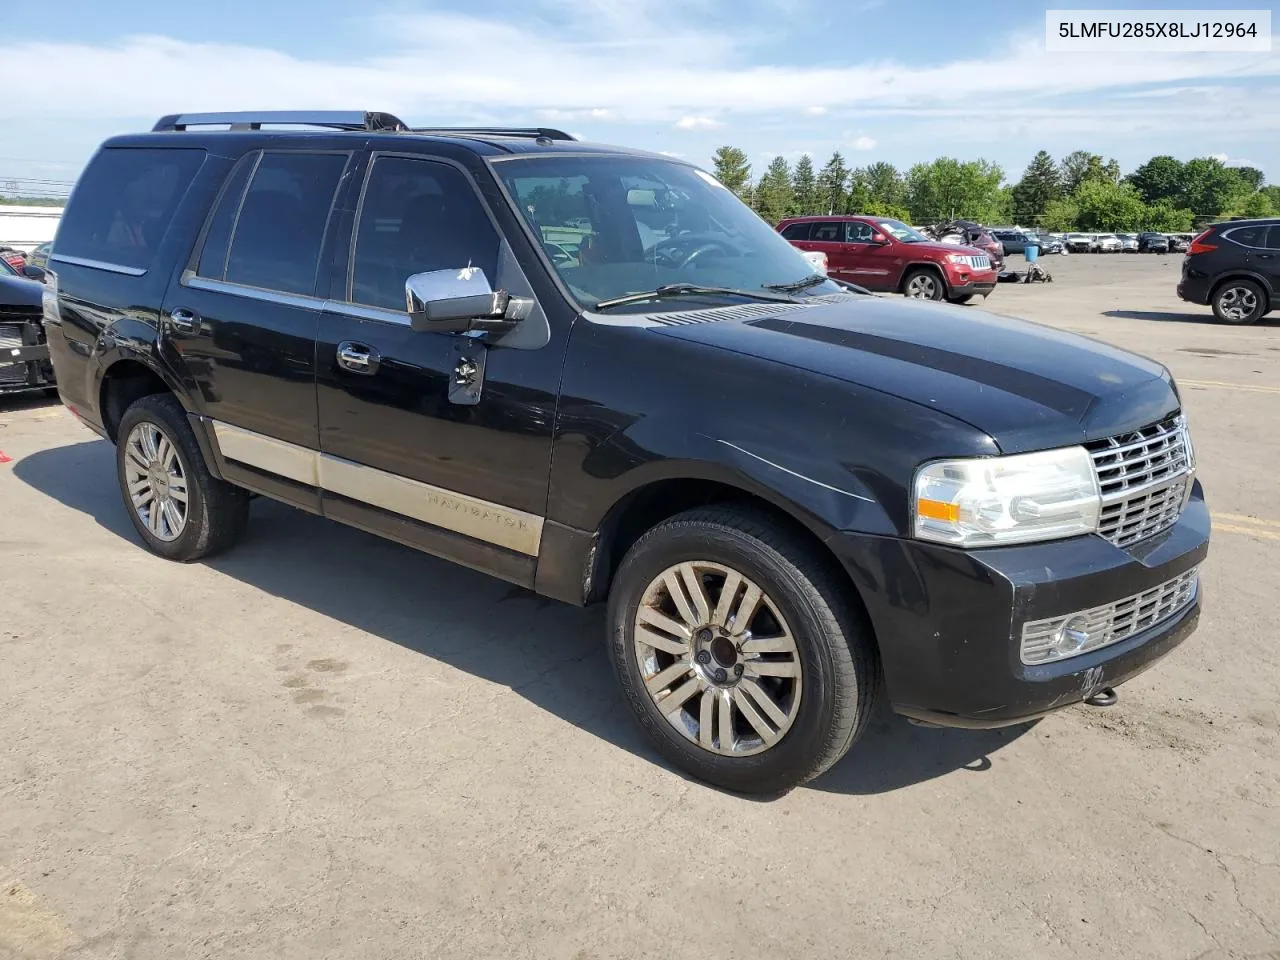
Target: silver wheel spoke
(676,648)
(726,724)
(732,584)
(656,618)
(706,713)
(676,699)
(136,457)
(764,702)
(772,668)
(746,610)
(139,487)
(178,494)
(143,497)
(153,516)
(697,592)
(758,645)
(172,517)
(660,681)
(162,451)
(767,733)
(148,439)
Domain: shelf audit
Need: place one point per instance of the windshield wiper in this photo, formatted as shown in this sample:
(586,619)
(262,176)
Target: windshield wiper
(668,290)
(797,285)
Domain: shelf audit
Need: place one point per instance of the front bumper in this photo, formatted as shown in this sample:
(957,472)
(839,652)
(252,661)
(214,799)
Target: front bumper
(24,358)
(949,622)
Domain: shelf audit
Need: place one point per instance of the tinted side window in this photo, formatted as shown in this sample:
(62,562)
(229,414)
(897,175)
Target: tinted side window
(417,216)
(859,232)
(1248,236)
(213,256)
(827,232)
(1273,238)
(281,226)
(796,231)
(123,204)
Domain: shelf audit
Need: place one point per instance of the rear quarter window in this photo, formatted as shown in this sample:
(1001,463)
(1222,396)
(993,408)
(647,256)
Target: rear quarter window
(123,204)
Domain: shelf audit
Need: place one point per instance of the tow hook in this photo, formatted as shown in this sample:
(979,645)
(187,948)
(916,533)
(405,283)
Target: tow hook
(1106,697)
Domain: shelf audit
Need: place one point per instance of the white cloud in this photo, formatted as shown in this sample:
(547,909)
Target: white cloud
(697,123)
(1220,157)
(814,111)
(863,143)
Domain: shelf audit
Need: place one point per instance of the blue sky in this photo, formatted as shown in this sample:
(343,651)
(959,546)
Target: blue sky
(896,80)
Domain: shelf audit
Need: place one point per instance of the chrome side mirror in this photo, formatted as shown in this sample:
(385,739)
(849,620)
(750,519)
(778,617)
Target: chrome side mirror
(460,300)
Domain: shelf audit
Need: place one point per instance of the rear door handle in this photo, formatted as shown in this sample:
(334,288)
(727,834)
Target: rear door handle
(184,320)
(357,357)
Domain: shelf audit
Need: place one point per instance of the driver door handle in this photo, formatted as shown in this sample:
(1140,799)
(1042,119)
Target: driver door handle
(357,357)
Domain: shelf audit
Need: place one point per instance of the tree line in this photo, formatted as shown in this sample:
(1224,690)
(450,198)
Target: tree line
(1082,191)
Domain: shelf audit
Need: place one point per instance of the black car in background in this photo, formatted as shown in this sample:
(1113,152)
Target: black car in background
(1235,268)
(24,356)
(1153,243)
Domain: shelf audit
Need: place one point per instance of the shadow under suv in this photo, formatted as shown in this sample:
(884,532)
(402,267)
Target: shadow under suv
(595,373)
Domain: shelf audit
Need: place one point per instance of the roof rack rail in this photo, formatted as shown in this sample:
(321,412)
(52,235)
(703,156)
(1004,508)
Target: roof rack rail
(253,120)
(540,133)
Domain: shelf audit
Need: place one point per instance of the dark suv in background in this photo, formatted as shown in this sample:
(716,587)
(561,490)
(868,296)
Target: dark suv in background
(1234,267)
(596,373)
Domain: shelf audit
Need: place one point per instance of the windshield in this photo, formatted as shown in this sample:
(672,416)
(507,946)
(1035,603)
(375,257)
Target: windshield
(901,231)
(613,226)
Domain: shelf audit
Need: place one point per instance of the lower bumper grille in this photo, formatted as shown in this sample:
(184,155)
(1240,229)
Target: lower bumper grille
(1057,638)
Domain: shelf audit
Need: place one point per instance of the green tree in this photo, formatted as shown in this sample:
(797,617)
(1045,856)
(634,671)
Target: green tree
(804,186)
(1254,205)
(773,195)
(1272,194)
(947,188)
(732,169)
(1109,206)
(1041,184)
(1081,165)
(1060,214)
(890,211)
(832,183)
(1165,217)
(1160,178)
(1210,188)
(885,183)
(1251,176)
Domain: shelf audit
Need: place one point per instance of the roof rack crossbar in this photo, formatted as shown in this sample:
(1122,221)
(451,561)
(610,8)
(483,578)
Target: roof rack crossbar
(254,120)
(542,133)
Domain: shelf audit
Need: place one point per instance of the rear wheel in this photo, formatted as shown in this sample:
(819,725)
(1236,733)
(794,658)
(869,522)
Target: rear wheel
(923,285)
(739,652)
(1239,302)
(181,511)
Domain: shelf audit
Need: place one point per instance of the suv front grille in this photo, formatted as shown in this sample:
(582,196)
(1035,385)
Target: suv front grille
(1145,477)
(1069,636)
(980,262)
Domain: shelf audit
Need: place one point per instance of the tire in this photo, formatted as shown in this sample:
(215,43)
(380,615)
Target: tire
(828,704)
(1239,302)
(164,464)
(963,299)
(925,283)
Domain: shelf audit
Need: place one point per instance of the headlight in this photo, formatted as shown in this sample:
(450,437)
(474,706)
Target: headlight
(957,258)
(999,500)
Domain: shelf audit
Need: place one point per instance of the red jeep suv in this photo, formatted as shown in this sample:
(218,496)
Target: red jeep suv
(882,254)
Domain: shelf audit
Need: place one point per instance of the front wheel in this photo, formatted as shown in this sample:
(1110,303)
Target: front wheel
(739,652)
(1239,302)
(923,285)
(180,510)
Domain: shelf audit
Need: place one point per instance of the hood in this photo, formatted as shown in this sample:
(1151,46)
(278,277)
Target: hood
(1029,387)
(20,292)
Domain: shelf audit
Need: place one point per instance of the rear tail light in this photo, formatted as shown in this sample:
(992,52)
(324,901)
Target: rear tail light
(1198,246)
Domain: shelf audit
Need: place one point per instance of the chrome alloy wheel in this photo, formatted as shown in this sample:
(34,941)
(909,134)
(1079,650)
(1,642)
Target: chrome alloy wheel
(155,481)
(923,286)
(718,658)
(1238,303)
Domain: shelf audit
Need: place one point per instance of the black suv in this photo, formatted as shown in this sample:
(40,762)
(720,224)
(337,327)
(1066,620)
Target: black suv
(1235,268)
(1153,243)
(595,373)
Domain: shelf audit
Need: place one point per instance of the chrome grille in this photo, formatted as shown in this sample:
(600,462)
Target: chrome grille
(11,337)
(1144,477)
(1058,638)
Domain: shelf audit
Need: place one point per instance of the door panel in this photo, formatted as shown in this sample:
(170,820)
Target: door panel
(463,480)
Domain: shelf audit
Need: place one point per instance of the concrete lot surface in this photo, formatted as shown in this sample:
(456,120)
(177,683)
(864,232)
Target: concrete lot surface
(323,745)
